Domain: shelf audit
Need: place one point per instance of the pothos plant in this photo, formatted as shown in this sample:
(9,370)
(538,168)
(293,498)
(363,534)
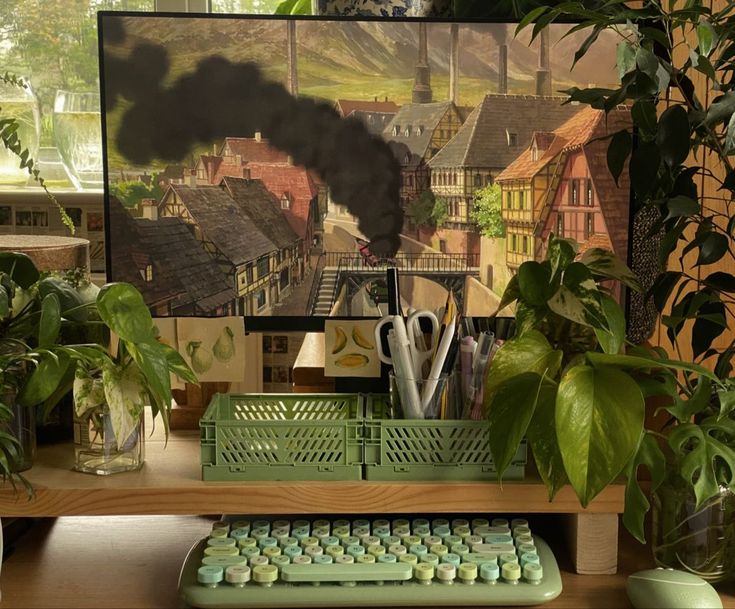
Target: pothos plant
(568,382)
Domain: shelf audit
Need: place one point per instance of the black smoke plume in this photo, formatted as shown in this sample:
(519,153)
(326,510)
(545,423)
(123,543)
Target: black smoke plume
(221,99)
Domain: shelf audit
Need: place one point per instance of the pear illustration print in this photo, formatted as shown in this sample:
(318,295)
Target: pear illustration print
(224,348)
(201,357)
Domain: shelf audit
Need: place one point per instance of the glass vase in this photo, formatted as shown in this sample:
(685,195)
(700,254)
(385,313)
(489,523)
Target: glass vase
(97,450)
(698,541)
(23,427)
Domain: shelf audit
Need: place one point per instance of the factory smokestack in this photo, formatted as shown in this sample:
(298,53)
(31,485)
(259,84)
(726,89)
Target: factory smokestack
(503,69)
(422,84)
(454,63)
(293,80)
(543,74)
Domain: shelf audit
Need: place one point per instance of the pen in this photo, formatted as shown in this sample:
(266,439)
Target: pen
(394,292)
(484,350)
(466,352)
(401,353)
(445,342)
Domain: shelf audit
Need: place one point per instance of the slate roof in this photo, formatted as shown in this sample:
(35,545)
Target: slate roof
(347,106)
(260,205)
(250,149)
(482,141)
(223,222)
(376,122)
(415,116)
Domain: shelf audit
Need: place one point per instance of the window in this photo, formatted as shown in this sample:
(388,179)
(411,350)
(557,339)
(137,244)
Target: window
(525,245)
(285,202)
(478,179)
(283,281)
(559,224)
(40,219)
(23,218)
(420,130)
(512,138)
(489,180)
(6,215)
(573,192)
(260,299)
(75,213)
(513,243)
(149,273)
(521,199)
(589,225)
(262,266)
(509,200)
(443,246)
(409,179)
(396,130)
(249,272)
(407,132)
(590,200)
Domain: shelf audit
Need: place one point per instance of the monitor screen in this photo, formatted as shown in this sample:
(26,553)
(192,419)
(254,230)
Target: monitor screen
(274,167)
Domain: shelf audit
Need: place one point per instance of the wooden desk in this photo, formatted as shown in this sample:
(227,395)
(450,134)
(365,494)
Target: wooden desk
(133,561)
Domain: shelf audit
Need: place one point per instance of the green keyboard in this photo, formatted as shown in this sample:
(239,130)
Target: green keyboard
(363,562)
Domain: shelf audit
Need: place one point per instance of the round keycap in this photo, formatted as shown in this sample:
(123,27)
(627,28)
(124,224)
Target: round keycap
(472,540)
(397,549)
(265,574)
(411,540)
(281,524)
(480,522)
(401,531)
(259,533)
(387,558)
(446,572)
(499,522)
(424,572)
(419,522)
(439,549)
(309,541)
(271,552)
(224,561)
(261,524)
(341,522)
(330,540)
(266,542)
(302,560)
(322,523)
(450,540)
(280,532)
(218,533)
(300,533)
(391,540)
(350,540)
(521,531)
(370,540)
(301,523)
(361,522)
(439,522)
(526,548)
(361,532)
(250,551)
(221,524)
(381,532)
(460,549)
(524,539)
(460,522)
(432,540)
(518,522)
(288,541)
(430,558)
(400,522)
(280,561)
(452,559)
(418,549)
(323,559)
(355,550)
(221,542)
(237,575)
(442,531)
(511,572)
(422,532)
(463,532)
(210,575)
(225,551)
(292,551)
(344,559)
(489,572)
(320,532)
(376,549)
(530,557)
(257,560)
(341,532)
(241,524)
(468,572)
(240,533)
(381,522)
(334,550)
(366,558)
(411,559)
(313,550)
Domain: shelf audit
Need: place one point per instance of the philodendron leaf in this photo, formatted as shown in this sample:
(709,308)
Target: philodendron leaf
(126,397)
(88,392)
(541,434)
(510,294)
(50,322)
(124,311)
(44,379)
(636,503)
(534,282)
(683,409)
(20,267)
(727,402)
(585,310)
(4,303)
(561,253)
(612,338)
(528,353)
(606,264)
(510,412)
(178,365)
(71,304)
(599,418)
(152,359)
(637,361)
(698,448)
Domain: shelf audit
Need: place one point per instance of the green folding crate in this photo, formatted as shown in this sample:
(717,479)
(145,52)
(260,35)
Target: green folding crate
(417,449)
(293,436)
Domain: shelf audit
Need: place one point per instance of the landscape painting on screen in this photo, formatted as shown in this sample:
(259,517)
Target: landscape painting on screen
(268,166)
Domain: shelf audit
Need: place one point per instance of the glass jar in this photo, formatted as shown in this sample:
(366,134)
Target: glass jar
(698,541)
(21,104)
(23,427)
(96,449)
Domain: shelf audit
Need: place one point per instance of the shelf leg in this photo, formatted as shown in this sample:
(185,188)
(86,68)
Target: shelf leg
(593,542)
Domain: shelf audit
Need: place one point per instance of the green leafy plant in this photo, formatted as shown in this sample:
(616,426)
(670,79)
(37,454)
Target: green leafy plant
(662,49)
(9,136)
(567,382)
(428,210)
(294,7)
(487,212)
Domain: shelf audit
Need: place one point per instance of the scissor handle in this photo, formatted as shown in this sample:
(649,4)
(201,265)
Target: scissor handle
(414,330)
(382,356)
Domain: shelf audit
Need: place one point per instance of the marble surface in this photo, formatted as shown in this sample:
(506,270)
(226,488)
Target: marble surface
(387,8)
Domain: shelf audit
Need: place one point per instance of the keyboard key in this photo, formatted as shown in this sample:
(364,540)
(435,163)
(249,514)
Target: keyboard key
(489,572)
(237,575)
(210,575)
(378,571)
(511,572)
(322,559)
(365,558)
(411,559)
(452,559)
(226,551)
(424,572)
(266,575)
(224,561)
(446,573)
(221,542)
(256,561)
(467,573)
(387,558)
(533,573)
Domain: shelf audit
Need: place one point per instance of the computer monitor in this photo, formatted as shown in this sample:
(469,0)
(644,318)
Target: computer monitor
(274,166)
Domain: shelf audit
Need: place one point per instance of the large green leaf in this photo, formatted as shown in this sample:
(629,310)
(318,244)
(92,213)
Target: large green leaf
(20,268)
(124,311)
(44,379)
(585,309)
(727,402)
(683,410)
(636,503)
(624,58)
(534,282)
(647,62)
(721,109)
(560,254)
(126,397)
(612,338)
(698,448)
(177,365)
(721,281)
(606,264)
(71,304)
(711,322)
(644,117)
(50,322)
(528,353)
(636,361)
(599,419)
(541,435)
(643,168)
(152,359)
(681,205)
(673,135)
(618,151)
(511,293)
(510,412)
(706,36)
(713,247)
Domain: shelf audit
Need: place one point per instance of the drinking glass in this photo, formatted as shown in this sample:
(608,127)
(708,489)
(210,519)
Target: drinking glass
(22,105)
(78,134)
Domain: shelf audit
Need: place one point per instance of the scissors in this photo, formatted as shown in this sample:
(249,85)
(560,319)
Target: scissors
(411,328)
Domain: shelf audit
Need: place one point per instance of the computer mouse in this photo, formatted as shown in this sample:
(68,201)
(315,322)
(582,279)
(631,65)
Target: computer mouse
(669,588)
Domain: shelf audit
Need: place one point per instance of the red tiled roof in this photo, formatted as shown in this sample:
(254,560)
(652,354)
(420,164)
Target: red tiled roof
(250,149)
(294,182)
(600,240)
(347,106)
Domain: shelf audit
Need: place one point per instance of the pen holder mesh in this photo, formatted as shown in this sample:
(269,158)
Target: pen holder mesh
(282,437)
(416,449)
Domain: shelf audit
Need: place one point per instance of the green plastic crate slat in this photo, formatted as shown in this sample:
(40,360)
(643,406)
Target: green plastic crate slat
(410,449)
(303,436)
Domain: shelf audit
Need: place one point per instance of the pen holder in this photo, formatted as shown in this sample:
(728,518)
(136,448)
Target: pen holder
(445,401)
